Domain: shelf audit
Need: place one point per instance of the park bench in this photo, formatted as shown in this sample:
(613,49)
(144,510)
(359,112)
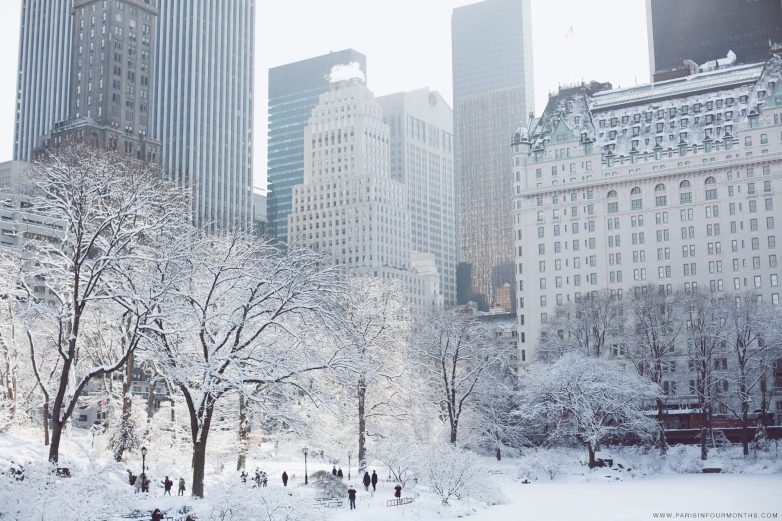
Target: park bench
(711,470)
(399,501)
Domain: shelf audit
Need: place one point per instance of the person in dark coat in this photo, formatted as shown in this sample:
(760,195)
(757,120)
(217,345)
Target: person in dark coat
(167,484)
(374,481)
(334,471)
(352,497)
(340,475)
(181,487)
(145,484)
(367,481)
(284,479)
(157,515)
(398,491)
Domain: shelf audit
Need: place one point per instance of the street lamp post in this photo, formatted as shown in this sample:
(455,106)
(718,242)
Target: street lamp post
(305,450)
(350,453)
(144,461)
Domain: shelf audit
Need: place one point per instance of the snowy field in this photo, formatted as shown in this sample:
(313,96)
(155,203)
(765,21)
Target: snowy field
(644,489)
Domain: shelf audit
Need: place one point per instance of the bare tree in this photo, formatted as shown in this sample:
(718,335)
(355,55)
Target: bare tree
(377,336)
(454,354)
(590,399)
(705,331)
(246,320)
(752,328)
(586,326)
(107,212)
(651,338)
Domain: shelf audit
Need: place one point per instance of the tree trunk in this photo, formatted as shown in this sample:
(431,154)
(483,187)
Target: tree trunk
(662,442)
(744,413)
(241,459)
(58,422)
(199,464)
(54,448)
(498,454)
(454,430)
(362,425)
(127,403)
(46,422)
(592,463)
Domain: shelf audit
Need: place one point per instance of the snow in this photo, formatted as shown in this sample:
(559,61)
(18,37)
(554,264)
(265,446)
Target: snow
(644,487)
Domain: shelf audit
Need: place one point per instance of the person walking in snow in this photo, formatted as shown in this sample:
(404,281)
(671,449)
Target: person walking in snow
(367,481)
(334,471)
(137,483)
(181,487)
(167,484)
(284,479)
(157,515)
(264,479)
(340,475)
(257,477)
(374,481)
(352,497)
(398,491)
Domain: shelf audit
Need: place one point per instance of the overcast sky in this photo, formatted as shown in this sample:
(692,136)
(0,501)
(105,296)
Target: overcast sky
(407,44)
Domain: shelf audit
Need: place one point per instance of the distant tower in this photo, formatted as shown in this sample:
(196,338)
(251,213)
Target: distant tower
(493,91)
(43,73)
(704,30)
(204,119)
(348,206)
(294,90)
(112,77)
(421,131)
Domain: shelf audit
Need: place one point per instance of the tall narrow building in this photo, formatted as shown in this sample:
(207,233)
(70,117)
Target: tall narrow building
(493,90)
(204,119)
(112,77)
(294,90)
(348,206)
(43,73)
(421,152)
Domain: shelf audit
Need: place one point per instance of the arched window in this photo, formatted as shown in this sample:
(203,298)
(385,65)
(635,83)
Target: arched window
(612,194)
(613,207)
(659,188)
(685,196)
(660,199)
(636,203)
(710,180)
(711,193)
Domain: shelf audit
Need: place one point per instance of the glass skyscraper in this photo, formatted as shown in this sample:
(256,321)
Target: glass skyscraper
(294,90)
(493,92)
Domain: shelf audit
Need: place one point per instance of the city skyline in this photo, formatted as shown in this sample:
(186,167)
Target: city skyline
(567,55)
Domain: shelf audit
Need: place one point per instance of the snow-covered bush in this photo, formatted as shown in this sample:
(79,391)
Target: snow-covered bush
(453,473)
(328,484)
(684,461)
(543,464)
(231,503)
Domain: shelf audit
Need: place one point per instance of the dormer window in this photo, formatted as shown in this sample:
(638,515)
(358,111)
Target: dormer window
(696,108)
(719,103)
(636,118)
(612,134)
(685,109)
(569,106)
(684,122)
(728,102)
(614,121)
(636,131)
(761,94)
(743,99)
(683,136)
(672,112)
(709,105)
(625,120)
(602,123)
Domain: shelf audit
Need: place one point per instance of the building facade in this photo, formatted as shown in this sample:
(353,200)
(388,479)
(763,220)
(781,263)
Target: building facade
(348,205)
(294,90)
(674,184)
(703,30)
(493,91)
(112,78)
(43,76)
(420,123)
(204,119)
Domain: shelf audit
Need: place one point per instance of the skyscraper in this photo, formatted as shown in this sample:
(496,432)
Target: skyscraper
(421,132)
(294,90)
(348,206)
(112,77)
(44,71)
(493,91)
(204,118)
(704,30)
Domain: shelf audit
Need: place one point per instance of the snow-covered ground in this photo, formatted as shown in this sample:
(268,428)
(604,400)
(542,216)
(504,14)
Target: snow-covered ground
(645,488)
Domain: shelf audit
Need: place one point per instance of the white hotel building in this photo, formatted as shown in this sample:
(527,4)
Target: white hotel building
(676,184)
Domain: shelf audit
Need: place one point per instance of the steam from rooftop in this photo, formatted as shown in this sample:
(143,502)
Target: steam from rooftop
(346,72)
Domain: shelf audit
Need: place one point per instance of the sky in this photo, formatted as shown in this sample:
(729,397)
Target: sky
(408,46)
